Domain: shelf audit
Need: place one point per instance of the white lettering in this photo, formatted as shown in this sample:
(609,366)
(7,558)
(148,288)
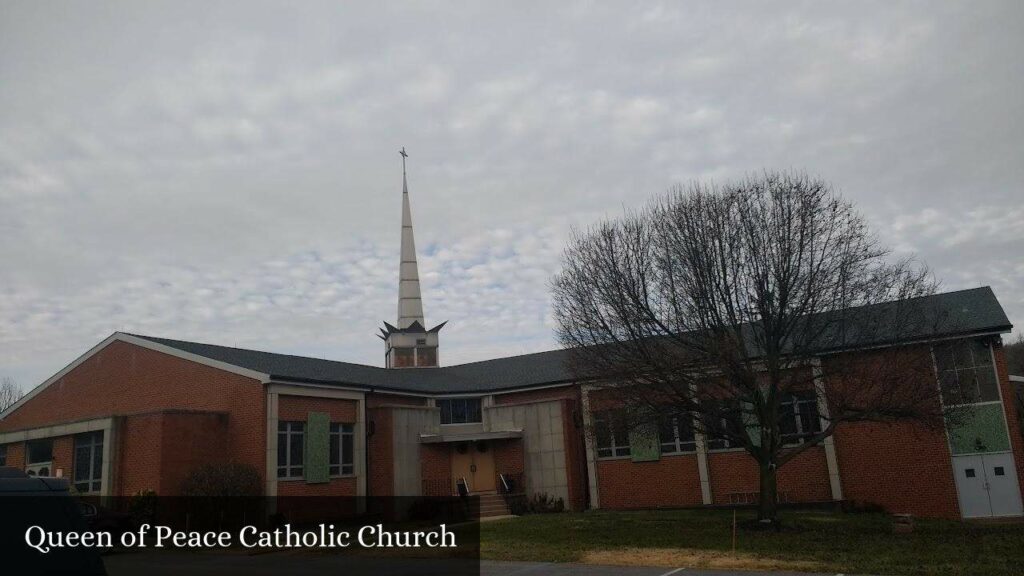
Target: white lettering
(36,542)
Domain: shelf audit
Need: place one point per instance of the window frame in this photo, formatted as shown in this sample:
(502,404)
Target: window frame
(611,422)
(3,454)
(291,431)
(93,482)
(797,400)
(338,467)
(677,443)
(713,423)
(28,452)
(954,351)
(447,407)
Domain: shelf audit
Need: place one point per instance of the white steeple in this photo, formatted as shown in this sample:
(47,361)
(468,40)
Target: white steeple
(410,303)
(409,344)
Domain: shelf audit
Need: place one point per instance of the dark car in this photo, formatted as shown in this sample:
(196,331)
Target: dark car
(26,502)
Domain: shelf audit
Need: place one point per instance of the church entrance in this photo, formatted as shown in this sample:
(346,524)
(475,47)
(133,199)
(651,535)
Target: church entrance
(473,465)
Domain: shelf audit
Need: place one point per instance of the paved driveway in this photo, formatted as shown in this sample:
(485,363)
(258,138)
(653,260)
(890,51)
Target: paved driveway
(489,568)
(158,563)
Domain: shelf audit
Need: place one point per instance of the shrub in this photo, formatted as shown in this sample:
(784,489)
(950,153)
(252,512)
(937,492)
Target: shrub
(543,503)
(229,479)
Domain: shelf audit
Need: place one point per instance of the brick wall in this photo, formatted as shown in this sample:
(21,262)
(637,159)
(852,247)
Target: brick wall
(671,481)
(802,479)
(190,440)
(436,469)
(381,479)
(158,451)
(1012,418)
(905,467)
(137,467)
(509,457)
(124,379)
(16,455)
(298,408)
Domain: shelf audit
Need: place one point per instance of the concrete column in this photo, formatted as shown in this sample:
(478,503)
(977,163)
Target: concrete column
(702,467)
(359,447)
(110,454)
(595,496)
(271,471)
(829,443)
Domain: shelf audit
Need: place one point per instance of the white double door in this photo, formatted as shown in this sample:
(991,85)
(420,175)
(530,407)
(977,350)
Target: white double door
(987,485)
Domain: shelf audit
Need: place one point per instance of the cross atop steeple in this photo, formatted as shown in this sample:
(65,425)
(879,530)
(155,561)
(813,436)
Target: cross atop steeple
(405,181)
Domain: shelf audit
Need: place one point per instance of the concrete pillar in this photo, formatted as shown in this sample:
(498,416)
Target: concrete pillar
(829,443)
(595,496)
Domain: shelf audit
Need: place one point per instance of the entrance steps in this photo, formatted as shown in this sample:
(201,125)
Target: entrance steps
(492,504)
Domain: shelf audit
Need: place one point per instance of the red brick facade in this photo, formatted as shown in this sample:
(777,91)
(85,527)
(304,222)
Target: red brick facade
(131,383)
(171,415)
(671,482)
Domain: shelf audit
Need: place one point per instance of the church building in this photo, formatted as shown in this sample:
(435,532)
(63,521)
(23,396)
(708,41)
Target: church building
(138,412)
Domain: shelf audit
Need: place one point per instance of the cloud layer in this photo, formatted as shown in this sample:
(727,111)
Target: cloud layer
(228,172)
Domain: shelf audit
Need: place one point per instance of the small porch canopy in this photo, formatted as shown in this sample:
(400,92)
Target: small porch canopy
(470,436)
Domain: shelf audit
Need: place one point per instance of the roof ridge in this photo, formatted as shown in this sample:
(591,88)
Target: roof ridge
(506,357)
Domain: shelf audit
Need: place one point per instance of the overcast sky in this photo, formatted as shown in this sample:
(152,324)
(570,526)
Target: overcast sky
(228,173)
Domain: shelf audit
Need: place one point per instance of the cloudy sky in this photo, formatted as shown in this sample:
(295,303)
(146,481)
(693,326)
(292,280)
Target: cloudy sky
(229,173)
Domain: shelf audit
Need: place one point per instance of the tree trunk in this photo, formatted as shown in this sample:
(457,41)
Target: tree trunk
(768,504)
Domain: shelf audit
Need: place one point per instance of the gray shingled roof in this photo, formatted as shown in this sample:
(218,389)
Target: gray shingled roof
(490,375)
(965,312)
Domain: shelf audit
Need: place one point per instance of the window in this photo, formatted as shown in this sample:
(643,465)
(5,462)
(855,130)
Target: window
(88,466)
(798,417)
(341,449)
(612,434)
(426,356)
(676,435)
(721,427)
(403,357)
(999,471)
(39,451)
(969,472)
(966,374)
(290,440)
(460,411)
(3,454)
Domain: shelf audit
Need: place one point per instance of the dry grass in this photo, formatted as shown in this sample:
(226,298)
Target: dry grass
(690,558)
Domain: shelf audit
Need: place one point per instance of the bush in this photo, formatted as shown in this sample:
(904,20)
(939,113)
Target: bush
(219,480)
(543,503)
(142,506)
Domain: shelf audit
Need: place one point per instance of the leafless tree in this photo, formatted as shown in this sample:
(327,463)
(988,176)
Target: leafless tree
(721,306)
(1015,356)
(9,392)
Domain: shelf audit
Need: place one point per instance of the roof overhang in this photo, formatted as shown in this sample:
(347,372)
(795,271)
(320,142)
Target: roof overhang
(469,436)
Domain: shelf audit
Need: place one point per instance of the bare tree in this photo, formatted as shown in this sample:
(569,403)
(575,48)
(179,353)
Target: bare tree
(1015,356)
(723,310)
(10,392)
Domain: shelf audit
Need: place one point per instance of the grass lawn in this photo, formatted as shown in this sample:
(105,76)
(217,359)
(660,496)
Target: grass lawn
(811,541)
